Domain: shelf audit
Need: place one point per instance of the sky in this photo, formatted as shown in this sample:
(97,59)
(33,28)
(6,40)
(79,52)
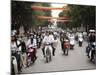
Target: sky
(55,13)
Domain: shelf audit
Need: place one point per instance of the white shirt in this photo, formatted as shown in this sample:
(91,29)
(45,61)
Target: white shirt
(14,47)
(48,39)
(29,42)
(52,38)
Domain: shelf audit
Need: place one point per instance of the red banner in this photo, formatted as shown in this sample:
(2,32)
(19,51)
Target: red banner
(46,8)
(46,17)
(59,20)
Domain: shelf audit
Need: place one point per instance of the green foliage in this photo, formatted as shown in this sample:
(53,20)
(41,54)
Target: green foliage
(36,13)
(80,14)
(23,15)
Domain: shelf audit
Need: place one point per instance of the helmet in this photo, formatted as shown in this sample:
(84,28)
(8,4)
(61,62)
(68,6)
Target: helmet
(12,34)
(66,40)
(31,33)
(92,31)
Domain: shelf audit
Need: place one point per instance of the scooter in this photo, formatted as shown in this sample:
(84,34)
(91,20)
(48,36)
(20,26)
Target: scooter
(72,45)
(66,47)
(14,65)
(48,52)
(15,62)
(80,42)
(30,55)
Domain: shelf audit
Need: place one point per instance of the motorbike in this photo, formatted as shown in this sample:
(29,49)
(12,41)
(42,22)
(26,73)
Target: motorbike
(48,53)
(91,52)
(14,68)
(30,55)
(16,62)
(80,42)
(66,47)
(72,45)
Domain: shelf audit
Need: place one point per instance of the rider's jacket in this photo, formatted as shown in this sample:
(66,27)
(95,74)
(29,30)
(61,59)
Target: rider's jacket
(15,46)
(48,39)
(92,38)
(32,44)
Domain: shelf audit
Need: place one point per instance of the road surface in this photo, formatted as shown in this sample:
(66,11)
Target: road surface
(76,60)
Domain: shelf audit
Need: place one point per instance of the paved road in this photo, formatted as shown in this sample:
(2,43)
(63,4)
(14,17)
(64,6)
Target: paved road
(76,60)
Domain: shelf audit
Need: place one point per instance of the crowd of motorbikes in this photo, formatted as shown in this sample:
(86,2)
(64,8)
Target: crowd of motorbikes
(17,61)
(68,42)
(90,48)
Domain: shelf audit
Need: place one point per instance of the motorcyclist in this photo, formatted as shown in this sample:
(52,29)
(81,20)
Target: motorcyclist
(80,38)
(92,36)
(47,40)
(66,45)
(32,43)
(62,36)
(15,50)
(80,35)
(72,40)
(91,43)
(85,36)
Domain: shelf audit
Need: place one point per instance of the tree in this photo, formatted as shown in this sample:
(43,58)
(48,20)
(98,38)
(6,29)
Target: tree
(23,15)
(36,13)
(81,15)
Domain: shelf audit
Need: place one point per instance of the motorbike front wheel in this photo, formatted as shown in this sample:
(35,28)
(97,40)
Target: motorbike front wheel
(71,47)
(65,51)
(80,44)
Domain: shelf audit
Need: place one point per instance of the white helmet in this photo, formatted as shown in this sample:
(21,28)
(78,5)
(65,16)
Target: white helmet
(91,30)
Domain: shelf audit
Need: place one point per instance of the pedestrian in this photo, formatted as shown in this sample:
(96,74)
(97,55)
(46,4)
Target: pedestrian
(23,52)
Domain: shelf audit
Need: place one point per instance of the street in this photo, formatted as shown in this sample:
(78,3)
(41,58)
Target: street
(33,21)
(76,60)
